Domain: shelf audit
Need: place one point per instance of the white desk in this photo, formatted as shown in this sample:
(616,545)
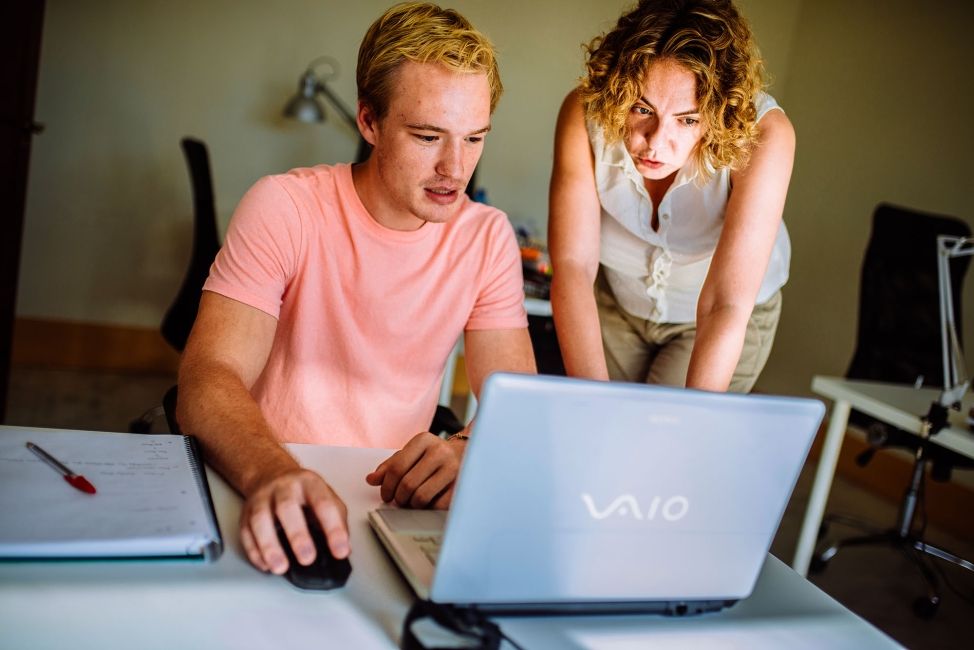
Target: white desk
(896,404)
(228,604)
(537,307)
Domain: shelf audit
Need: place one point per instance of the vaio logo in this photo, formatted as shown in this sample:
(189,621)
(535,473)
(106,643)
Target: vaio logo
(672,509)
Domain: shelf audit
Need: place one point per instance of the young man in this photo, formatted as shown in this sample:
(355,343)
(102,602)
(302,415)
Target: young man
(330,312)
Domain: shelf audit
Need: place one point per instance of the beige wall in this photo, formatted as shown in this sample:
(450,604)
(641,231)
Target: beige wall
(121,82)
(879,100)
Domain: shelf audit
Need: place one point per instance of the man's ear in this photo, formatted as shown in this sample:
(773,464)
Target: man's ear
(367,122)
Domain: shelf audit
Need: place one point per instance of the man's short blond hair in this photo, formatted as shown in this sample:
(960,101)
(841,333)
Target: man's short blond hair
(424,33)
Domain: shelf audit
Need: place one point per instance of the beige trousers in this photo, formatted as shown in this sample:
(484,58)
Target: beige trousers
(639,350)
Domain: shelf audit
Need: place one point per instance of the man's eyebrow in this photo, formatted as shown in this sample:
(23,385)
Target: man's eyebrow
(437,129)
(680,114)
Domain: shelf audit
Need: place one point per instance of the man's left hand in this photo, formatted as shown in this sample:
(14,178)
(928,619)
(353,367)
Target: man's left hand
(421,474)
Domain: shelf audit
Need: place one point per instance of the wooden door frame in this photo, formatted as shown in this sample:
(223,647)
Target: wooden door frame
(21,24)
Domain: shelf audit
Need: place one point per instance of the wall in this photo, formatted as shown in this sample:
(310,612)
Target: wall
(109,211)
(876,98)
(881,103)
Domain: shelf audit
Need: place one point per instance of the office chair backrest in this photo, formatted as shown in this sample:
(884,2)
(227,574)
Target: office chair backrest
(898,336)
(169,409)
(181,315)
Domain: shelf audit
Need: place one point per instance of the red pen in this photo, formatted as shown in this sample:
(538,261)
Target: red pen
(75,480)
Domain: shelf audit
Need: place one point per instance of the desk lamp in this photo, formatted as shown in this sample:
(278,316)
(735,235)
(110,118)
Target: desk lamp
(305,107)
(955,386)
(956,381)
(905,536)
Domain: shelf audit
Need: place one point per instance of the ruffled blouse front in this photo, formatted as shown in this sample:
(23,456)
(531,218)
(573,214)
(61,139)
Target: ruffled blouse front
(657,274)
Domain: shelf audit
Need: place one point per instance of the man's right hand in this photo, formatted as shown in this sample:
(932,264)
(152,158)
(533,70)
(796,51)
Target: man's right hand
(282,498)
(225,355)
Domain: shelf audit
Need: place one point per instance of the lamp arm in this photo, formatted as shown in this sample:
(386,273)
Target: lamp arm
(955,380)
(946,322)
(338,104)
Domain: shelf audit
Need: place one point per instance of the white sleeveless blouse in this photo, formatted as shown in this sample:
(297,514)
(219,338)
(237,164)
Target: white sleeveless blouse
(657,275)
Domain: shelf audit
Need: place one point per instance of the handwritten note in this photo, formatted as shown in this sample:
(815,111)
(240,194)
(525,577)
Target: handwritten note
(148,502)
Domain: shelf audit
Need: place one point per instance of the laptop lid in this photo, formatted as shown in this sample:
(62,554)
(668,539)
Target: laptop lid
(576,492)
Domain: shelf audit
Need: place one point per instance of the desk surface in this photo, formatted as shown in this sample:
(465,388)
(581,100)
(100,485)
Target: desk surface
(537,307)
(179,604)
(900,405)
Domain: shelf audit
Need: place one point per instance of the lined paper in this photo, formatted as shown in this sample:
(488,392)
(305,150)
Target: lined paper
(148,500)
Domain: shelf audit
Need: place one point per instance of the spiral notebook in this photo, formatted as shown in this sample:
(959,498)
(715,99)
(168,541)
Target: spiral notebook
(152,499)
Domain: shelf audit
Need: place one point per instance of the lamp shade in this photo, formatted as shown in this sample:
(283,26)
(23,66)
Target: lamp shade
(304,106)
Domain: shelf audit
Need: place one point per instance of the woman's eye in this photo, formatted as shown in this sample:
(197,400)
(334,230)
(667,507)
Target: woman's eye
(690,121)
(641,110)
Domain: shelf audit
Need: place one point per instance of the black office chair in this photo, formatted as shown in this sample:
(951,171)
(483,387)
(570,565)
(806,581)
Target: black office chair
(181,315)
(179,318)
(898,341)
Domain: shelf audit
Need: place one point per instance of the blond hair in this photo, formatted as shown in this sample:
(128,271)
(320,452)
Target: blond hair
(711,40)
(424,33)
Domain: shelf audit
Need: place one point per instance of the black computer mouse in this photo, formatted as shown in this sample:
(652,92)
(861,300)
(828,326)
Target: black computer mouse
(325,572)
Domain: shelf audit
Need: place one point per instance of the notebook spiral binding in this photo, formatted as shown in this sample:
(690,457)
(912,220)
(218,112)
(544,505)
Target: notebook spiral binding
(210,548)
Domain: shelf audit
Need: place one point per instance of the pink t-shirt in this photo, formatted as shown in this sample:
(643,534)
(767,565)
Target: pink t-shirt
(366,315)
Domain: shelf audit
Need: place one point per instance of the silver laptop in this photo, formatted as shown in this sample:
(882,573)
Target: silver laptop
(579,495)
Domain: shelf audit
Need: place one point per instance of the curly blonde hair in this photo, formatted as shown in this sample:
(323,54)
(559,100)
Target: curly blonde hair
(424,33)
(707,37)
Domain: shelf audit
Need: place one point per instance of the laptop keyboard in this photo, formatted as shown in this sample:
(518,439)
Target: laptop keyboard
(420,529)
(429,545)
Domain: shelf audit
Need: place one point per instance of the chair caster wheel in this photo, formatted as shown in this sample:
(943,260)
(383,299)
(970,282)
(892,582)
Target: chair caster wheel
(926,606)
(817,564)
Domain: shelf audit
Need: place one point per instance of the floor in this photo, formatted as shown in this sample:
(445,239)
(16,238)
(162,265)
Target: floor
(879,584)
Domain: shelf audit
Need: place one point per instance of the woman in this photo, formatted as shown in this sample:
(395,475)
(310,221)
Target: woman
(670,174)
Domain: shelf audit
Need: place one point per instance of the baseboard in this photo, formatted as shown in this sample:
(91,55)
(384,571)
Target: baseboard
(88,346)
(887,475)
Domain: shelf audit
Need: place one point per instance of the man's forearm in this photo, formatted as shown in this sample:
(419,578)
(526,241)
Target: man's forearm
(217,408)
